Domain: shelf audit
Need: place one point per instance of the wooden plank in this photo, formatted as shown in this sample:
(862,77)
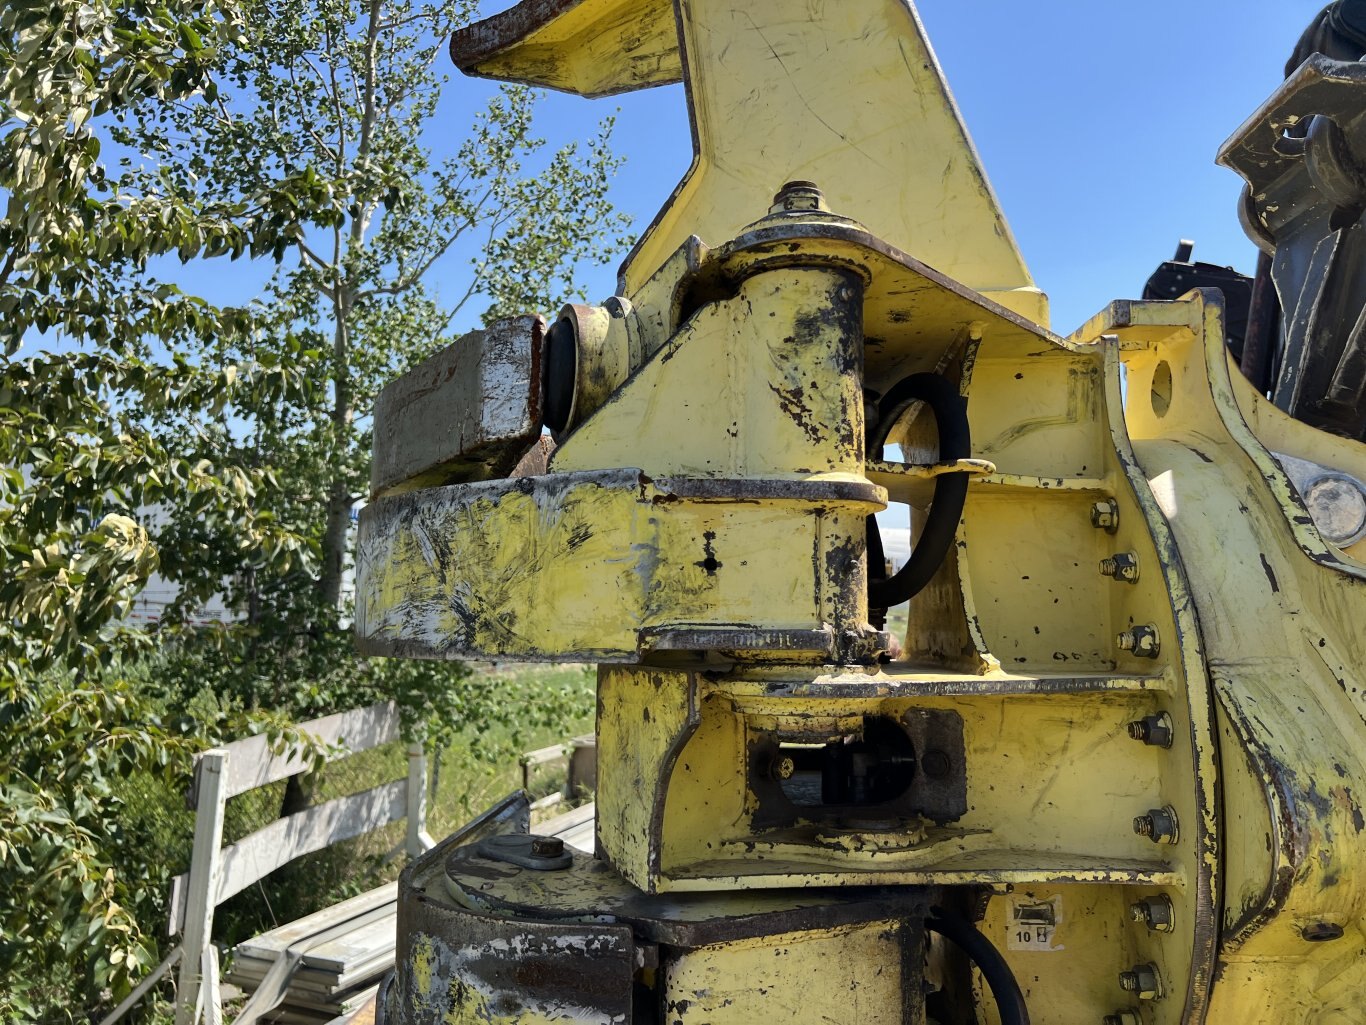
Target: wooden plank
(359,946)
(317,982)
(468,413)
(269,944)
(253,764)
(581,837)
(416,797)
(285,839)
(213,998)
(205,867)
(340,1004)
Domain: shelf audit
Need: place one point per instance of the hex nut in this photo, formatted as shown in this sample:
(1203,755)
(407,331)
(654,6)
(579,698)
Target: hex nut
(1105,516)
(798,196)
(1122,566)
(1143,981)
(1153,730)
(547,847)
(1159,825)
(1156,912)
(1142,641)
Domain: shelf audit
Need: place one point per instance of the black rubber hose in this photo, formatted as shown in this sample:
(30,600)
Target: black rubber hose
(1010,1001)
(950,489)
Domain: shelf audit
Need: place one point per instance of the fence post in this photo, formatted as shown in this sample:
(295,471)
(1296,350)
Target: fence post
(202,894)
(417,840)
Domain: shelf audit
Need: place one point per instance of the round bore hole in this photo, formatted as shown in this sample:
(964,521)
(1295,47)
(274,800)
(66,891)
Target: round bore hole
(1161,395)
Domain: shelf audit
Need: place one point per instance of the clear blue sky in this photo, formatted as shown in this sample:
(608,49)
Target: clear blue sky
(1097,123)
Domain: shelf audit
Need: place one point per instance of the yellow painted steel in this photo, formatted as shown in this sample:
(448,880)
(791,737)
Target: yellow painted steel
(883,137)
(1129,549)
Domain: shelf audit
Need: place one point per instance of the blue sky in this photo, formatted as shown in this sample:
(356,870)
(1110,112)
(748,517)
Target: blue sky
(1097,124)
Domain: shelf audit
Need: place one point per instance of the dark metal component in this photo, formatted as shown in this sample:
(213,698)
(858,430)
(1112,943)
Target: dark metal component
(1263,337)
(452,964)
(1121,1018)
(936,764)
(1180,274)
(1141,640)
(890,772)
(1105,516)
(1339,31)
(759,489)
(1322,932)
(950,410)
(1303,155)
(1159,825)
(1121,566)
(547,847)
(541,853)
(1143,981)
(1153,730)
(1156,912)
(559,368)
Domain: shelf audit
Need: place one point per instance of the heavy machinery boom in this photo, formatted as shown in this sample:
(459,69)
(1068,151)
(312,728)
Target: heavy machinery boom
(1113,771)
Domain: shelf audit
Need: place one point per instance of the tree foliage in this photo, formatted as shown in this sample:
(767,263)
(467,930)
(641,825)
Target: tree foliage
(298,132)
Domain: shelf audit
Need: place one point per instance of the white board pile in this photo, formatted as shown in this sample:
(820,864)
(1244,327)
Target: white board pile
(343,951)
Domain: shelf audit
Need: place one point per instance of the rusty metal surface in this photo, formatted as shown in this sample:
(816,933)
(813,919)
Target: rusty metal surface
(469,413)
(591,888)
(604,565)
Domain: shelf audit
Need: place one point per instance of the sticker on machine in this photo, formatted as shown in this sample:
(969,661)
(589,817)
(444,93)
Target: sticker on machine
(1031,921)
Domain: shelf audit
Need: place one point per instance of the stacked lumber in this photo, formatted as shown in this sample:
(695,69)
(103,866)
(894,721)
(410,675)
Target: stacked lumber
(341,953)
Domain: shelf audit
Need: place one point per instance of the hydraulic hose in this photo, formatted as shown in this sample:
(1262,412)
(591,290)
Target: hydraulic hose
(1010,1002)
(950,489)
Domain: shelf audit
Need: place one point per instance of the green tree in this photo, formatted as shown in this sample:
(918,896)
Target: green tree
(342,95)
(80,452)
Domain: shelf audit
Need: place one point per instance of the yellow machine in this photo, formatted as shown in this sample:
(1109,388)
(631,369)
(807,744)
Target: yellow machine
(1114,770)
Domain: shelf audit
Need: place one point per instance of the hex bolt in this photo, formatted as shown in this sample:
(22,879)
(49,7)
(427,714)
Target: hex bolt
(1141,640)
(1143,981)
(1159,825)
(1122,566)
(1153,730)
(547,847)
(1155,912)
(936,763)
(798,196)
(781,767)
(1105,516)
(1122,1018)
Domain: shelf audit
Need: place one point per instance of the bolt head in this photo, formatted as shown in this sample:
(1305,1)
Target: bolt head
(936,764)
(798,196)
(1155,912)
(1159,825)
(547,847)
(1105,516)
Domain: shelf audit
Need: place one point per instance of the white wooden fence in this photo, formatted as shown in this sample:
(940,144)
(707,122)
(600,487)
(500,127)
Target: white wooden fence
(217,872)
